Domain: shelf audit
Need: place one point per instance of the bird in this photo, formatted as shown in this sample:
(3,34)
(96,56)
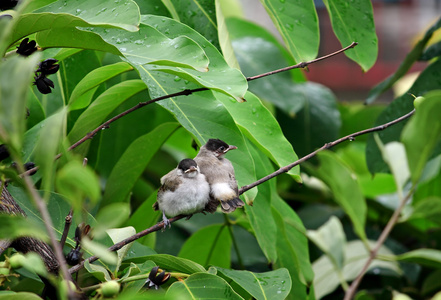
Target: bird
(184,191)
(219,173)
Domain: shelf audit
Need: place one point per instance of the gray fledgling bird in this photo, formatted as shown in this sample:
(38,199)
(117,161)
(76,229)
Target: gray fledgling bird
(183,191)
(220,174)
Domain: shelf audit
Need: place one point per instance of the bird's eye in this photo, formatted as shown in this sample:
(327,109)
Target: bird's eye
(222,148)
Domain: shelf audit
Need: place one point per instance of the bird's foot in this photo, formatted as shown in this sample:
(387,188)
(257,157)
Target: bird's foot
(188,217)
(166,221)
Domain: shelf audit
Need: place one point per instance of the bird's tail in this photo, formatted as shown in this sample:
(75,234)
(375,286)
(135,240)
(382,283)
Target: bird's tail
(229,206)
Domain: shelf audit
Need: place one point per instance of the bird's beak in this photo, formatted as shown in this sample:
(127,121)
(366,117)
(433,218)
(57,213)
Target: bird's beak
(192,169)
(231,147)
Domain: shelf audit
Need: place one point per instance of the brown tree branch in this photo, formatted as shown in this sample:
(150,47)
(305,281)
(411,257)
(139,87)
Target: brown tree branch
(285,169)
(350,292)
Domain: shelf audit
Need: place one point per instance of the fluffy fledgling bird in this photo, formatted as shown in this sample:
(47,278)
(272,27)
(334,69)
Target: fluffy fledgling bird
(220,174)
(183,191)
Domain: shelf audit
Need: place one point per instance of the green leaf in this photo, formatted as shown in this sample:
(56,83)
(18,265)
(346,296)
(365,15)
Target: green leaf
(117,235)
(327,280)
(422,133)
(92,80)
(331,239)
(177,264)
(81,13)
(133,162)
(261,221)
(220,76)
(33,263)
(427,209)
(99,272)
(288,257)
(17,70)
(171,9)
(123,14)
(431,52)
(204,286)
(111,216)
(145,217)
(9,295)
(12,227)
(48,145)
(268,285)
(410,59)
(76,182)
(317,123)
(210,245)
(427,81)
(394,155)
(345,188)
(224,35)
(150,46)
(103,105)
(292,241)
(354,22)
(73,37)
(297,22)
(199,15)
(99,250)
(260,126)
(427,257)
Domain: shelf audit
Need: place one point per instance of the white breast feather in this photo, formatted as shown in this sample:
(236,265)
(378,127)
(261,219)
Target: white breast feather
(222,191)
(191,196)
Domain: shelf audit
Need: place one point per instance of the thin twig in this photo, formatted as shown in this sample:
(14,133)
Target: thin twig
(302,64)
(41,206)
(67,223)
(160,225)
(350,292)
(326,146)
(117,246)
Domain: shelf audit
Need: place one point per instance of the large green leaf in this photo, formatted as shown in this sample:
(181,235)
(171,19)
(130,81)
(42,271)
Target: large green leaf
(292,241)
(65,14)
(223,7)
(103,105)
(288,257)
(354,22)
(258,52)
(422,133)
(410,59)
(427,257)
(204,286)
(261,221)
(268,285)
(92,80)
(48,145)
(331,239)
(13,227)
(15,78)
(122,14)
(427,81)
(317,123)
(345,188)
(176,264)
(219,77)
(133,162)
(327,280)
(297,22)
(260,126)
(199,15)
(149,46)
(210,245)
